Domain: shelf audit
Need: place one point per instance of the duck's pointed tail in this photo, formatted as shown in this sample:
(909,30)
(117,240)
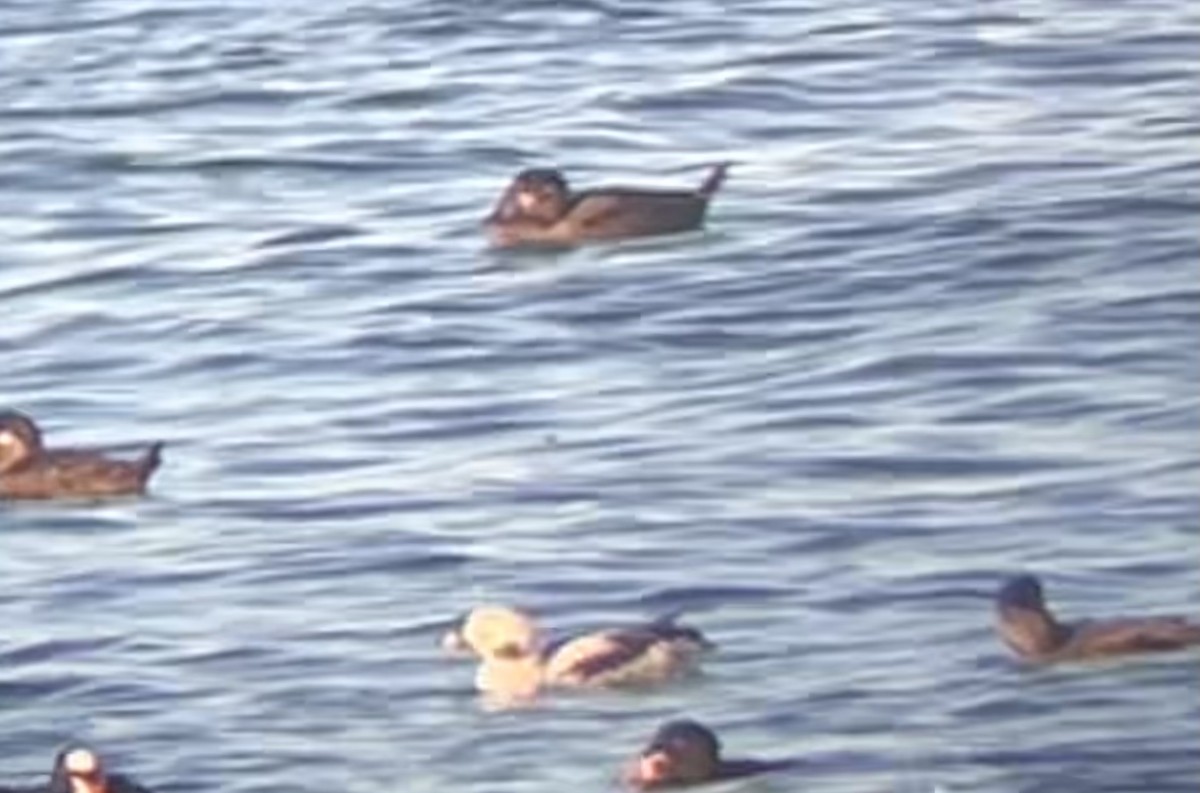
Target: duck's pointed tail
(714,180)
(666,626)
(150,462)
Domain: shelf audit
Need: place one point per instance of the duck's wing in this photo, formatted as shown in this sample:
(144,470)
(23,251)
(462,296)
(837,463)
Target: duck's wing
(592,208)
(78,473)
(1113,637)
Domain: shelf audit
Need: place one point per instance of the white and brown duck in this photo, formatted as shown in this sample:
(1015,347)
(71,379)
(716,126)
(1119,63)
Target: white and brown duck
(516,662)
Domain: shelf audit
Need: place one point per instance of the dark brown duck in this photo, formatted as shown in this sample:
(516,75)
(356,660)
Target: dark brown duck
(28,470)
(78,769)
(539,209)
(686,752)
(516,662)
(1029,628)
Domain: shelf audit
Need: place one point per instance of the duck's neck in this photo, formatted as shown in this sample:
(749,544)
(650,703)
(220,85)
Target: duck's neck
(1032,633)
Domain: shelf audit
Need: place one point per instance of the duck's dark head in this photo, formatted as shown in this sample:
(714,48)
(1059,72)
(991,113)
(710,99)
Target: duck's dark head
(20,440)
(78,769)
(537,195)
(681,753)
(1022,592)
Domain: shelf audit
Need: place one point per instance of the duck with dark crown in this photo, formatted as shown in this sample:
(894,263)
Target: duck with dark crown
(78,769)
(1030,630)
(685,752)
(540,209)
(28,470)
(516,663)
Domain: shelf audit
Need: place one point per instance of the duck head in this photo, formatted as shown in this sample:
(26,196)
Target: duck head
(537,195)
(20,440)
(1024,622)
(1023,592)
(682,752)
(78,769)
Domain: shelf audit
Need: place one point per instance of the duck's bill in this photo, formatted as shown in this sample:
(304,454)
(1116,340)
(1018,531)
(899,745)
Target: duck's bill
(453,642)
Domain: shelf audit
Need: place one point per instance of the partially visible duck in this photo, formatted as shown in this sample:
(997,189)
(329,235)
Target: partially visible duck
(78,769)
(29,470)
(685,752)
(539,209)
(1030,630)
(515,662)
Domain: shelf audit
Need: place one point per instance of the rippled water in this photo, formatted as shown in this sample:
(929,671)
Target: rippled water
(943,325)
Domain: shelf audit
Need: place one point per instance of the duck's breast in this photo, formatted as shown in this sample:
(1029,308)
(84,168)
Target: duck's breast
(528,234)
(509,678)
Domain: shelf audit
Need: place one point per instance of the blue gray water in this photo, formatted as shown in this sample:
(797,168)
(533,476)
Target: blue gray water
(943,325)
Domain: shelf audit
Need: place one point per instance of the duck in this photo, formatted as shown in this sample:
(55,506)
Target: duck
(80,769)
(685,752)
(516,663)
(28,470)
(1031,630)
(539,209)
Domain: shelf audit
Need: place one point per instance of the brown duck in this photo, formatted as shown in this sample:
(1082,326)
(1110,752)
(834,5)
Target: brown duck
(28,470)
(1032,632)
(516,662)
(539,209)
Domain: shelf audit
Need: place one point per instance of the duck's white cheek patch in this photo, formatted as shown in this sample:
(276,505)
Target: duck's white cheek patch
(526,200)
(81,761)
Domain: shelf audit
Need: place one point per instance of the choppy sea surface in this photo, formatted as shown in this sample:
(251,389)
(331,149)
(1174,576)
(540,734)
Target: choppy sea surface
(944,324)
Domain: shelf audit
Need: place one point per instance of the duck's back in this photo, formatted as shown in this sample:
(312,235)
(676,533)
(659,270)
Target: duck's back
(623,656)
(620,212)
(79,474)
(1131,635)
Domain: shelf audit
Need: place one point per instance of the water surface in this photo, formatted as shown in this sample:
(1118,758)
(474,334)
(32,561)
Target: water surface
(943,325)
